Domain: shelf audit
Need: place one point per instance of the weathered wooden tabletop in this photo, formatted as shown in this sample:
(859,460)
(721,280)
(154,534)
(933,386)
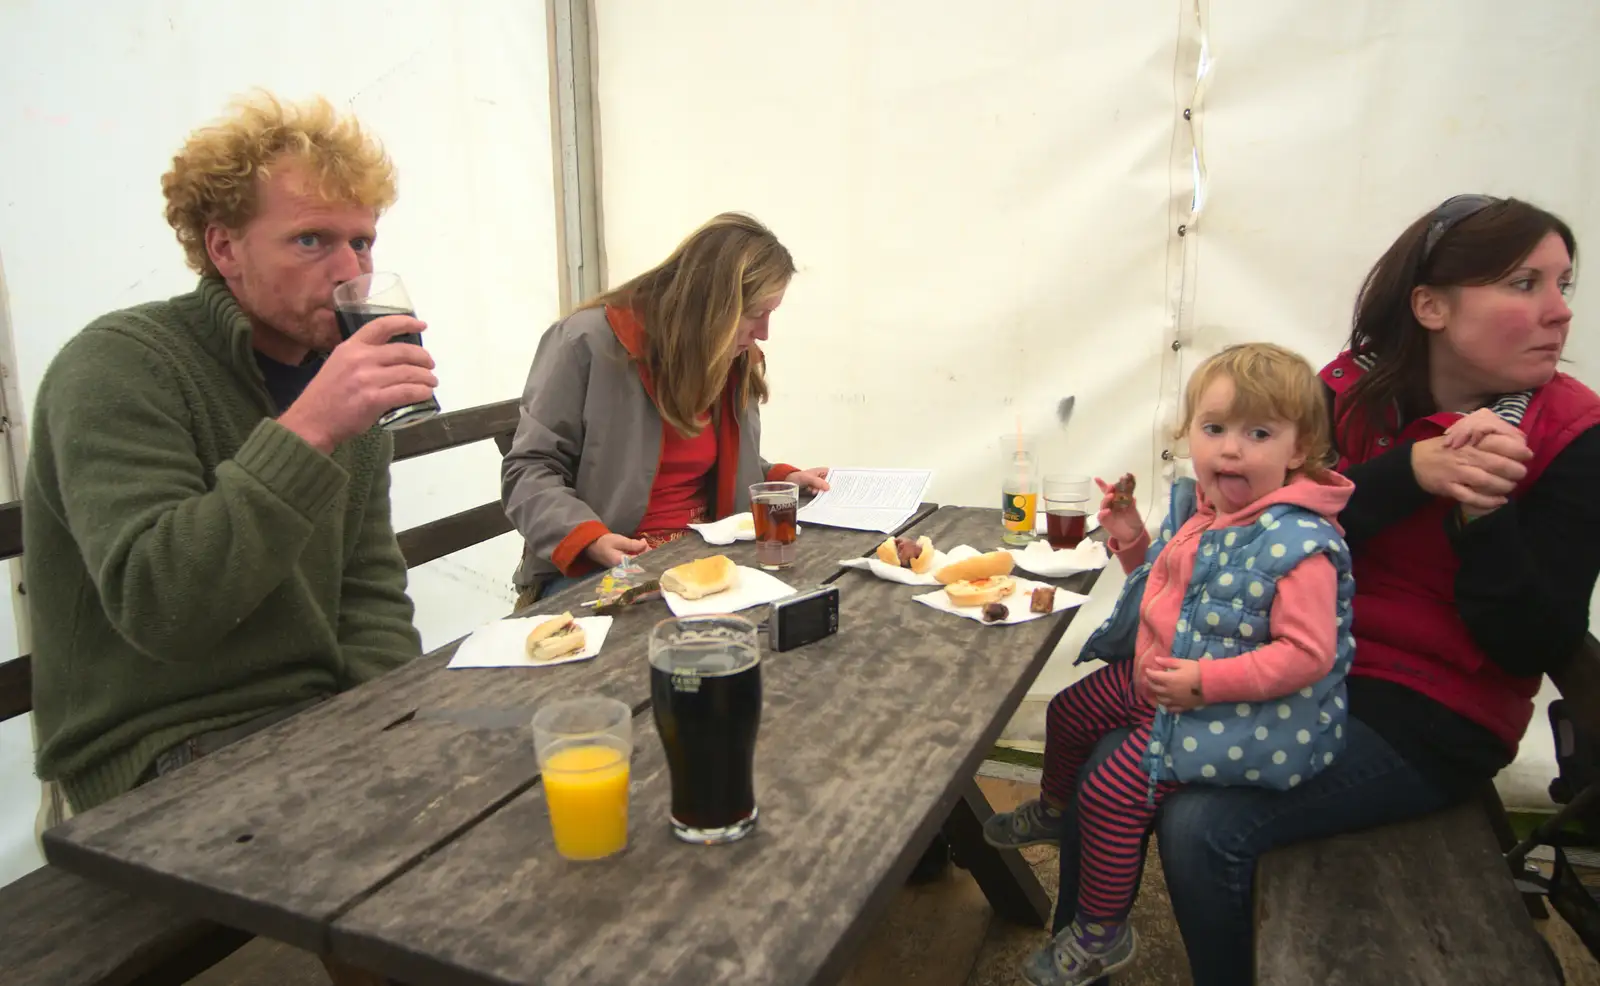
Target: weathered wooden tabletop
(867,738)
(280,832)
(423,850)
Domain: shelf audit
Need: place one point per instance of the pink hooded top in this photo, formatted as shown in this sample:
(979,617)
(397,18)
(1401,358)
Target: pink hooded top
(1303,620)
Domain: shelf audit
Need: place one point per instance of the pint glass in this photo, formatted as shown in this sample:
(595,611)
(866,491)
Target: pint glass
(705,690)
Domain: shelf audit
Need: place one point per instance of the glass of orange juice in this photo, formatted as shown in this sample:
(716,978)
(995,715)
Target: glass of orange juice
(583,745)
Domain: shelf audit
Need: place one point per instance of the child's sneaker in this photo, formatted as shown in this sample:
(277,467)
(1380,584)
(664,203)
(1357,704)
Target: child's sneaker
(1032,824)
(1081,954)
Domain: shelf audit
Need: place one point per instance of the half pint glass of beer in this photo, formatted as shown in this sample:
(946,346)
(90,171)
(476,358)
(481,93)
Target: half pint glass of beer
(774,507)
(368,298)
(705,690)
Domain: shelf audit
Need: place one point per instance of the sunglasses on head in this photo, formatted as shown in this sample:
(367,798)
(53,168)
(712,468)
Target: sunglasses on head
(1450,212)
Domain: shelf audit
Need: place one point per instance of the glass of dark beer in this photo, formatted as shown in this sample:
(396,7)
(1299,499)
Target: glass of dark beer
(368,298)
(775,506)
(705,690)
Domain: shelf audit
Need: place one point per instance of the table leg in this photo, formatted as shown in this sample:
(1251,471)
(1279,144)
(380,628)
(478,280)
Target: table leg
(343,974)
(1003,875)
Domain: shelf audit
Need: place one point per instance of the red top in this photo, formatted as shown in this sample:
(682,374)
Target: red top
(1407,627)
(678,494)
(717,499)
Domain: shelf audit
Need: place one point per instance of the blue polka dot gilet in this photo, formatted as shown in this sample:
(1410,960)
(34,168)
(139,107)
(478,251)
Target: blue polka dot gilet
(1226,611)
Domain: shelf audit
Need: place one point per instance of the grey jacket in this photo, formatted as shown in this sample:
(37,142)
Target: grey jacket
(588,445)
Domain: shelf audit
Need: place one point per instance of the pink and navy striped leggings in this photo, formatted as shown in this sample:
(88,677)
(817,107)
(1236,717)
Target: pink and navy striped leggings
(1112,807)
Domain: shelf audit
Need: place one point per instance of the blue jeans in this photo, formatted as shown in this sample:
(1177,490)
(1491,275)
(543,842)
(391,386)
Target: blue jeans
(1211,837)
(549,588)
(556,584)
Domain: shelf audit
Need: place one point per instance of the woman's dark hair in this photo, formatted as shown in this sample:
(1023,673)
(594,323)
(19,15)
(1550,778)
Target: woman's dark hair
(1467,240)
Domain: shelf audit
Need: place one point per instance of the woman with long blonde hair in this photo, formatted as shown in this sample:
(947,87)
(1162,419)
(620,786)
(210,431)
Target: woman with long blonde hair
(641,412)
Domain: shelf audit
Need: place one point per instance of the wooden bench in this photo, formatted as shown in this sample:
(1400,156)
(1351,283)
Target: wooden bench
(447,535)
(1429,901)
(57,929)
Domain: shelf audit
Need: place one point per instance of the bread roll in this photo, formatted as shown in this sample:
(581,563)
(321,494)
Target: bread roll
(980,592)
(981,567)
(701,577)
(924,561)
(556,637)
(889,554)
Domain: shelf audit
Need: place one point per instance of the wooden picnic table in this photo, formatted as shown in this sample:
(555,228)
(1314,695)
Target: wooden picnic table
(376,829)
(282,831)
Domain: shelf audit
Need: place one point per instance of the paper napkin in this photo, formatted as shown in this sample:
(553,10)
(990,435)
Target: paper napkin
(1016,604)
(739,527)
(894,573)
(753,587)
(1041,559)
(503,643)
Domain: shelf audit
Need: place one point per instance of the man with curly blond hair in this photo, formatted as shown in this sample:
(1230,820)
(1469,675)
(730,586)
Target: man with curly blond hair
(207,503)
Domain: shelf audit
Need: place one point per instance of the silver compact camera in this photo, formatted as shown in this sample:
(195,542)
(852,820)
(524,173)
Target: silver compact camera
(803,618)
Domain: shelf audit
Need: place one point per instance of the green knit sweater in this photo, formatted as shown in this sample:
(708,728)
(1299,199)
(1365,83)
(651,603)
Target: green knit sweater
(191,564)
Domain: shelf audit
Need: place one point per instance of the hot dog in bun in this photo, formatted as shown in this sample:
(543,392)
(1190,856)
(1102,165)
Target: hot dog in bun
(903,552)
(556,637)
(981,567)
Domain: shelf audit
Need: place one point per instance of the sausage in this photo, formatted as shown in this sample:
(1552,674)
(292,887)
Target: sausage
(995,612)
(1122,491)
(909,550)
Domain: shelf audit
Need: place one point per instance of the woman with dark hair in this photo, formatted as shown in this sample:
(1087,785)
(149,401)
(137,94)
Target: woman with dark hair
(1474,565)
